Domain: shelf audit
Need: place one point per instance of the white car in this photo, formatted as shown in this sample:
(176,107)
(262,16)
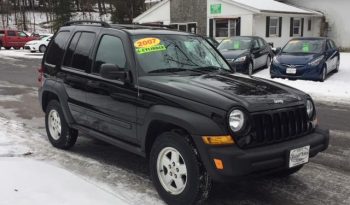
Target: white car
(38,45)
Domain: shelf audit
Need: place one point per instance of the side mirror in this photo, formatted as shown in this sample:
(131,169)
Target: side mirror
(113,72)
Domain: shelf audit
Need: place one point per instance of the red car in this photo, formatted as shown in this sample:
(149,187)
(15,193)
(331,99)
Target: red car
(15,39)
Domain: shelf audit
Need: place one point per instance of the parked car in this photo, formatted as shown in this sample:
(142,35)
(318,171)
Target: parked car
(170,97)
(306,58)
(15,39)
(246,53)
(38,45)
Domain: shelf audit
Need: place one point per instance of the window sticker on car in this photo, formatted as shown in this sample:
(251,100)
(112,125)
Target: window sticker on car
(306,47)
(147,42)
(236,45)
(150,49)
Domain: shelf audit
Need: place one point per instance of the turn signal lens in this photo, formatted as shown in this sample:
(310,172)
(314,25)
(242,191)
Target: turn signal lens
(219,164)
(218,140)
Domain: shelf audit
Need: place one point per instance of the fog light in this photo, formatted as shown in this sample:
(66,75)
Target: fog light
(219,164)
(218,140)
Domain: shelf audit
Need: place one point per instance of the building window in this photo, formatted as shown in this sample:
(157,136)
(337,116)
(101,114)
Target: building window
(226,28)
(309,25)
(185,27)
(273,29)
(296,27)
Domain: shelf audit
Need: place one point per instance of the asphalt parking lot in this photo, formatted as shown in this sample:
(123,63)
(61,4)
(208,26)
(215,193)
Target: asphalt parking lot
(325,180)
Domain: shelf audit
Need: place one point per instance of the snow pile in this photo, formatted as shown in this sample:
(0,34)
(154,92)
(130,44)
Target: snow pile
(336,87)
(20,54)
(25,181)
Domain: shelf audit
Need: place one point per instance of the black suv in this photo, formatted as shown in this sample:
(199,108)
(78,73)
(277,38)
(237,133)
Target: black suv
(172,98)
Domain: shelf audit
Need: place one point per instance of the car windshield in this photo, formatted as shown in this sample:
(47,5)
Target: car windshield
(176,53)
(239,43)
(304,46)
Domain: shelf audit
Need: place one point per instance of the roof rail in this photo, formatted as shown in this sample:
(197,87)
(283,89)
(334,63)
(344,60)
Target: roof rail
(103,24)
(154,25)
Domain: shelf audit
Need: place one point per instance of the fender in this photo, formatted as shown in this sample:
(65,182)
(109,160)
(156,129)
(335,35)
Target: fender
(59,90)
(194,123)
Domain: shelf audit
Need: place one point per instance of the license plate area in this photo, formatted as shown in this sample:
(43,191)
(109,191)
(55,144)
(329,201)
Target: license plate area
(291,71)
(299,156)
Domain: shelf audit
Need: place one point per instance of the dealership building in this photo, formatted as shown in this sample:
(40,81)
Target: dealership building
(276,21)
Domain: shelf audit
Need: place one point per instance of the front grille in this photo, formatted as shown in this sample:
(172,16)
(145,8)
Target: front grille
(279,125)
(293,65)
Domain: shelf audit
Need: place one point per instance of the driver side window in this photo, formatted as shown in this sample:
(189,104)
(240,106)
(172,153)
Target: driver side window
(22,34)
(110,51)
(256,44)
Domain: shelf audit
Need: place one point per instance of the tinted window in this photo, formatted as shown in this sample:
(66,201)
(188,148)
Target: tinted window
(81,59)
(70,51)
(110,51)
(11,33)
(56,50)
(262,42)
(333,44)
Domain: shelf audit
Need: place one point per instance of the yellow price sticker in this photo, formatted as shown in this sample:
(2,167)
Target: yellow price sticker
(147,42)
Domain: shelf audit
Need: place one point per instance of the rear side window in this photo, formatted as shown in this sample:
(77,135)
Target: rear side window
(56,50)
(79,50)
(2,33)
(110,51)
(11,33)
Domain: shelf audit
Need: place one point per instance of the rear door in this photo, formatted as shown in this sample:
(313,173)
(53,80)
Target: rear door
(258,54)
(76,63)
(11,39)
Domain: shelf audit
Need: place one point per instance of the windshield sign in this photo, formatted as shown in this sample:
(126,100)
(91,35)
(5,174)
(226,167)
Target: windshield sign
(304,46)
(235,44)
(175,53)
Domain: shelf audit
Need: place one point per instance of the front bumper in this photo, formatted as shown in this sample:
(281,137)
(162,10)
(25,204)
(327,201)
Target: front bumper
(239,163)
(304,72)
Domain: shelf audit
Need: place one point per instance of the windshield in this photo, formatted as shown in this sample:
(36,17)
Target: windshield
(235,44)
(304,46)
(172,53)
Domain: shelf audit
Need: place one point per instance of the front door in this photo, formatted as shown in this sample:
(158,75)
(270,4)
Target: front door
(112,103)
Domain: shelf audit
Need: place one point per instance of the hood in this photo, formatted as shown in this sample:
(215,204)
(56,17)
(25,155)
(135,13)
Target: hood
(233,54)
(296,58)
(225,90)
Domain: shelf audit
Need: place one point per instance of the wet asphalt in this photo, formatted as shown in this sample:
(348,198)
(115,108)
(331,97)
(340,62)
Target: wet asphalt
(325,180)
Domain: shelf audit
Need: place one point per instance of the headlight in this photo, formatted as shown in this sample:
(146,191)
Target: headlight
(241,59)
(275,60)
(309,108)
(316,61)
(236,120)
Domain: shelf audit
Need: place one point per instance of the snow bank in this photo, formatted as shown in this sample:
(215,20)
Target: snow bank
(25,181)
(20,54)
(335,89)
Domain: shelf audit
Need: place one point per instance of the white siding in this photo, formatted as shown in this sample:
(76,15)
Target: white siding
(259,28)
(337,15)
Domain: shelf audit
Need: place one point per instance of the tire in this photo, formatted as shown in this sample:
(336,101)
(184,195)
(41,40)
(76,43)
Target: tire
(268,62)
(58,131)
(42,49)
(287,172)
(324,74)
(17,48)
(33,51)
(250,69)
(194,184)
(7,48)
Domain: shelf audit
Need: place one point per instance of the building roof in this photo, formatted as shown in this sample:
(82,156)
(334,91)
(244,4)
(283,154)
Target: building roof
(160,5)
(271,6)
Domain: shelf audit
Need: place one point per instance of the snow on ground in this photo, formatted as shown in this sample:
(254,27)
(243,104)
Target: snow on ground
(26,181)
(20,54)
(336,87)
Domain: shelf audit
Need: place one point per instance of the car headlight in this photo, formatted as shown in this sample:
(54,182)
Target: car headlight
(241,59)
(310,109)
(236,120)
(275,60)
(316,61)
